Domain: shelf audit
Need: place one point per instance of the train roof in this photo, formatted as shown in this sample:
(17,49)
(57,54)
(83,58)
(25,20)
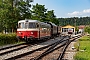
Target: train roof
(32,21)
(51,23)
(29,20)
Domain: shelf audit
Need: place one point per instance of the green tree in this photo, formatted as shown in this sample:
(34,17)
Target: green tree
(87,29)
(38,12)
(13,10)
(50,16)
(71,21)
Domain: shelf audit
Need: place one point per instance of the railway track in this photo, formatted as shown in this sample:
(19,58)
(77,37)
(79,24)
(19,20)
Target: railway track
(3,48)
(16,45)
(34,52)
(9,50)
(50,49)
(12,48)
(46,52)
(7,54)
(62,47)
(65,47)
(28,52)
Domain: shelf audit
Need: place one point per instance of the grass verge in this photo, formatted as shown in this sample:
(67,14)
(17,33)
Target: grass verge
(84,49)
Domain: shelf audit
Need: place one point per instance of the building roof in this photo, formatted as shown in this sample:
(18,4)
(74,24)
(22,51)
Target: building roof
(81,27)
(68,26)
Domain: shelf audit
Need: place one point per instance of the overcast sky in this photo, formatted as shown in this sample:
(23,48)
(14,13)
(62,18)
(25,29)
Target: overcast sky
(67,8)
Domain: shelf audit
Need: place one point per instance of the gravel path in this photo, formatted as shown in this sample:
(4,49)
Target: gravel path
(70,52)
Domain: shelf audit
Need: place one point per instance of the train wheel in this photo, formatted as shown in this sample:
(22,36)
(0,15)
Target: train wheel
(26,39)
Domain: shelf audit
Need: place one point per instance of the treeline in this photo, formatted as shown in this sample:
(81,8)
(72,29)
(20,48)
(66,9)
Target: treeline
(74,21)
(11,11)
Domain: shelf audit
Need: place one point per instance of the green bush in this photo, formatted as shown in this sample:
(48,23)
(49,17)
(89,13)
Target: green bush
(87,29)
(8,38)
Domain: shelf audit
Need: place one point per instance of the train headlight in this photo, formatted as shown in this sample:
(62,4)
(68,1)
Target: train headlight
(19,32)
(31,32)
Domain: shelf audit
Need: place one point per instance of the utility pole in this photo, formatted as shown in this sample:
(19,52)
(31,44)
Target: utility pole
(75,24)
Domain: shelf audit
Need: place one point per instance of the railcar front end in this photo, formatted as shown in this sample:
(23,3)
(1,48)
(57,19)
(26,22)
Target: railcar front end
(27,30)
(27,33)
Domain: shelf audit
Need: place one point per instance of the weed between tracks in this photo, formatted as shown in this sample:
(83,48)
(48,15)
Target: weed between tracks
(84,49)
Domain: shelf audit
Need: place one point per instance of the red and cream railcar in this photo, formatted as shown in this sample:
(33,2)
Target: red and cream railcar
(33,29)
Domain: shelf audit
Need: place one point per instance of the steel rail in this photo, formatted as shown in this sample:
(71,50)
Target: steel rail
(11,46)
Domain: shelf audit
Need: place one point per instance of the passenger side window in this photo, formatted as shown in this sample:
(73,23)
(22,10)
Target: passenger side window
(37,25)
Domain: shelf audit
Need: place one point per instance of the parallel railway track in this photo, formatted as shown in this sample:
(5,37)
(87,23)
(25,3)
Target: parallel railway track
(53,48)
(31,52)
(15,48)
(38,53)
